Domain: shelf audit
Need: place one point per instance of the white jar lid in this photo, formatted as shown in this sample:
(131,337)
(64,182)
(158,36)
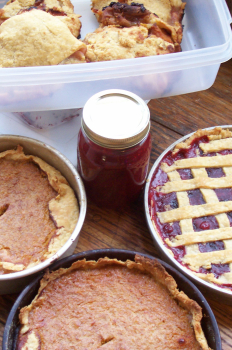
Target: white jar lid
(116,119)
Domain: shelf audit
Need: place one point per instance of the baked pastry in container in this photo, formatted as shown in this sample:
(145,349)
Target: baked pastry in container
(112,42)
(38,208)
(36,38)
(190,200)
(62,9)
(167,15)
(113,305)
(128,15)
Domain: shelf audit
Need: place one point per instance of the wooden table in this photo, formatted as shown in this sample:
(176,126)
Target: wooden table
(171,118)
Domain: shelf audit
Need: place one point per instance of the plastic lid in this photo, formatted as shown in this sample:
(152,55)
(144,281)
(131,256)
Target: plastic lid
(116,119)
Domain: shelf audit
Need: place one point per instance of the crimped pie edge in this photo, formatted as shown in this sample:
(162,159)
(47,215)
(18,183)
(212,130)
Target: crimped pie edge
(142,264)
(64,208)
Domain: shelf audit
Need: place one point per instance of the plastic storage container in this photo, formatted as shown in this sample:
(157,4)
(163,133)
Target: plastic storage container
(207,42)
(48,119)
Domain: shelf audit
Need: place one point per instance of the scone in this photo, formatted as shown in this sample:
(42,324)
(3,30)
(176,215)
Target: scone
(36,38)
(38,211)
(113,43)
(62,9)
(112,305)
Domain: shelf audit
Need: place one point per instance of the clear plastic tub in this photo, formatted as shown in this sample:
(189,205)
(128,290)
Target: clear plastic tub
(207,42)
(48,119)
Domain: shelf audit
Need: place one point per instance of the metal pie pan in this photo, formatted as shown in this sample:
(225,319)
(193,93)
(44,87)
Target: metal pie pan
(15,282)
(209,323)
(210,289)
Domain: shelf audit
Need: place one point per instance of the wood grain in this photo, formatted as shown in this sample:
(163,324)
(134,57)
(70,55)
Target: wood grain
(171,118)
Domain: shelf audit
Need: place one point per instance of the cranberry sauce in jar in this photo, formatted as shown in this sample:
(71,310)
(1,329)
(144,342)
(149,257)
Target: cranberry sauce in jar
(114,146)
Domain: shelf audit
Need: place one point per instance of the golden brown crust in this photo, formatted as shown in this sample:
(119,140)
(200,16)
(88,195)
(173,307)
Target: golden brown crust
(63,208)
(216,133)
(150,271)
(112,42)
(169,12)
(35,38)
(129,15)
(62,10)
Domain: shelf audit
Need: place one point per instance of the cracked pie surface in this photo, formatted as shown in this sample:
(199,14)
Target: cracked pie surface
(38,211)
(110,304)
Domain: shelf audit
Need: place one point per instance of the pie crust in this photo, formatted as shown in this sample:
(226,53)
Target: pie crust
(38,210)
(111,304)
(112,43)
(206,250)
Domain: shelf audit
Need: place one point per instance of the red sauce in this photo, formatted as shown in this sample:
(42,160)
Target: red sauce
(113,177)
(159,202)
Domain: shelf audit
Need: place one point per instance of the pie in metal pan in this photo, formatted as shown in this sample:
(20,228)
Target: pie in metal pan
(188,202)
(113,304)
(39,210)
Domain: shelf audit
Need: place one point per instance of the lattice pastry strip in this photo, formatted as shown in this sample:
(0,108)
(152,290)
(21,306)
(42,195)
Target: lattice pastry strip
(196,259)
(199,162)
(196,211)
(216,145)
(186,224)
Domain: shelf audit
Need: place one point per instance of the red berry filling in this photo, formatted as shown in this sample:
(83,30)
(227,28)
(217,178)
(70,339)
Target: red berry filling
(160,202)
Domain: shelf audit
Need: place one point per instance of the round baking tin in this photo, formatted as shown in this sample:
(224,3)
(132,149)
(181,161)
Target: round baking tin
(211,290)
(16,281)
(209,324)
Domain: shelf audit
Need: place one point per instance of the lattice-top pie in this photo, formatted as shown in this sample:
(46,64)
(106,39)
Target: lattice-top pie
(190,200)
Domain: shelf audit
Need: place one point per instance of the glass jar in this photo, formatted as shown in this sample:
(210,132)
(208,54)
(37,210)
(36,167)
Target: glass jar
(114,146)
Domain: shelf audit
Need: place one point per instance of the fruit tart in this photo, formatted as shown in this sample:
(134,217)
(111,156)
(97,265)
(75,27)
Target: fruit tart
(190,202)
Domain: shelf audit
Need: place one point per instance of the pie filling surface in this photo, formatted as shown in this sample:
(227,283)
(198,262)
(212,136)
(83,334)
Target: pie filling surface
(110,304)
(34,198)
(190,199)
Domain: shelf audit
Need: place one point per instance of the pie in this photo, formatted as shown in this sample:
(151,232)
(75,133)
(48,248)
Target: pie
(113,43)
(36,38)
(46,32)
(127,14)
(110,304)
(190,198)
(62,9)
(38,211)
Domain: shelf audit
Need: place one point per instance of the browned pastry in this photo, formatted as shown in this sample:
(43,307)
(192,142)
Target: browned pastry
(163,17)
(111,305)
(62,9)
(125,15)
(38,211)
(36,38)
(112,43)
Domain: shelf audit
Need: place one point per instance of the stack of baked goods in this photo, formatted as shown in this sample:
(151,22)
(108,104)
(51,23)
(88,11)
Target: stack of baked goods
(129,29)
(45,32)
